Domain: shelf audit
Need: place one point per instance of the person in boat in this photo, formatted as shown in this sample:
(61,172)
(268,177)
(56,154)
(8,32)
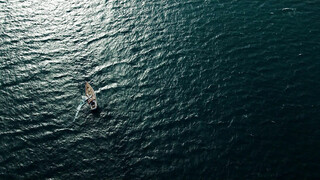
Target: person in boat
(91,102)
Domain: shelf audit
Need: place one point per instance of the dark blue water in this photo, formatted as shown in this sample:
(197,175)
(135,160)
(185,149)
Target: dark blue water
(186,89)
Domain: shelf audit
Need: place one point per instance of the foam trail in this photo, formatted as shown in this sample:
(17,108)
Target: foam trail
(113,85)
(82,102)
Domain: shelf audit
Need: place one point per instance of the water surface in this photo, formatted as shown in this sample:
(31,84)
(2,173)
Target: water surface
(187,89)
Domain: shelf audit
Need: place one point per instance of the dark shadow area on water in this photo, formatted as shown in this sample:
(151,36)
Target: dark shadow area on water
(96,113)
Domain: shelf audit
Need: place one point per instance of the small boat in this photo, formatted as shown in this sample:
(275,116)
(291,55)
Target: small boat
(91,97)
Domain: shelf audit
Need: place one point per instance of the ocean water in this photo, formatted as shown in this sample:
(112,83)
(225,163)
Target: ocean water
(187,89)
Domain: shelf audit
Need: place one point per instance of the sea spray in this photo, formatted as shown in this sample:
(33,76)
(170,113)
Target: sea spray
(82,102)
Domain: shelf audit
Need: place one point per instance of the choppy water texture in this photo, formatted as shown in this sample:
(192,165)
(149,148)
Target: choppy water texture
(187,89)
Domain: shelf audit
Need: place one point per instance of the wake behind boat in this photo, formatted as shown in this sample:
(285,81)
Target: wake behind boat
(92,99)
